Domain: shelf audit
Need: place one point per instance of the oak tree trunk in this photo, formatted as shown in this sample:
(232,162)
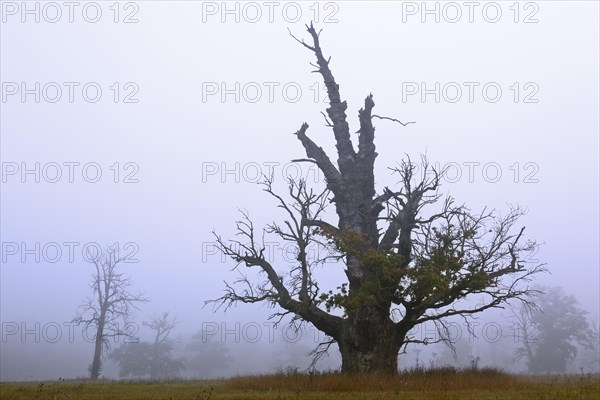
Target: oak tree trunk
(369,343)
(380,357)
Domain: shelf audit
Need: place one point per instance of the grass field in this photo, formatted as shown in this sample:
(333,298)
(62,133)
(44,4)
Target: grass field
(446,384)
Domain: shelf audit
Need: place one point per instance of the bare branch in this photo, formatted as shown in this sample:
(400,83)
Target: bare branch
(393,119)
(299,298)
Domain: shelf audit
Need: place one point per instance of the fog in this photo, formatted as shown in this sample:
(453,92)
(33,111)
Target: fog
(147,125)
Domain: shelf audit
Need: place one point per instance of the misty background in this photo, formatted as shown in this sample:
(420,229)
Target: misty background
(196,101)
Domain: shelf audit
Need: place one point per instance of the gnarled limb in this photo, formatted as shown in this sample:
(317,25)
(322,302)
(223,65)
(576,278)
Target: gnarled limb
(299,297)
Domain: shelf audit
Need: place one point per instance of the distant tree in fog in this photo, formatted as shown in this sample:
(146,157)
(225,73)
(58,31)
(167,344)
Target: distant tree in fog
(110,307)
(162,364)
(550,334)
(152,360)
(208,357)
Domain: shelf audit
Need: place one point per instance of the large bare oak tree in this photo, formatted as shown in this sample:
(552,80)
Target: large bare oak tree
(403,268)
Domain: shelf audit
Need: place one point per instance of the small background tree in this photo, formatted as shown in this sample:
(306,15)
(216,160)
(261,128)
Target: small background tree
(152,360)
(551,332)
(208,357)
(110,308)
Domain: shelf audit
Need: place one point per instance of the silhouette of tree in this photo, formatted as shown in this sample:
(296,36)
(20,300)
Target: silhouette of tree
(404,264)
(111,306)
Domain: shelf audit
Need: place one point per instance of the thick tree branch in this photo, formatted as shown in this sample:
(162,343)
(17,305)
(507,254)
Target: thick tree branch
(337,108)
(366,144)
(332,175)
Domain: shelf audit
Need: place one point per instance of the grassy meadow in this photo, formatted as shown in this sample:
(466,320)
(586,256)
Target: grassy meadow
(443,383)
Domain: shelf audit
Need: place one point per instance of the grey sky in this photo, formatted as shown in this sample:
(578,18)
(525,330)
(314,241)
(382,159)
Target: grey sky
(175,135)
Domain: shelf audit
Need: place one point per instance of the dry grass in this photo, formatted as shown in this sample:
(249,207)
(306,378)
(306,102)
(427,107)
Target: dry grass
(447,379)
(438,384)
